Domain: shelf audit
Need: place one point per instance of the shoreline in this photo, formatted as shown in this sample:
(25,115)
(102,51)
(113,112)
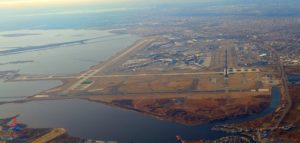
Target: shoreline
(71,84)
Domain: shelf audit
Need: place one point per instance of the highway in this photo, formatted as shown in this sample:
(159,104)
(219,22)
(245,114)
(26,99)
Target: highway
(285,86)
(286,91)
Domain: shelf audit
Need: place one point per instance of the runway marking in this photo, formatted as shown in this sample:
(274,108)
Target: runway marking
(122,75)
(89,74)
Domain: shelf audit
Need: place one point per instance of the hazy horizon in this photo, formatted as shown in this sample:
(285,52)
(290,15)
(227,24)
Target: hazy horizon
(44,14)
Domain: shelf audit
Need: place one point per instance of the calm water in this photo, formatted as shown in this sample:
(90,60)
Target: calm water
(18,90)
(294,78)
(62,59)
(97,121)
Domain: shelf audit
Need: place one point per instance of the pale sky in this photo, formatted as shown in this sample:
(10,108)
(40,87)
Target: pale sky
(9,4)
(20,4)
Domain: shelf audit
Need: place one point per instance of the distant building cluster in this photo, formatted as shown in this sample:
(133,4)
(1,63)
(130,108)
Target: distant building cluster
(290,60)
(251,55)
(169,54)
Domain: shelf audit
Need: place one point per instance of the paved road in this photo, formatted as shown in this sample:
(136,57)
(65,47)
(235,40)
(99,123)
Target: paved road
(46,77)
(218,56)
(287,95)
(109,63)
(24,78)
(161,74)
(54,133)
(285,85)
